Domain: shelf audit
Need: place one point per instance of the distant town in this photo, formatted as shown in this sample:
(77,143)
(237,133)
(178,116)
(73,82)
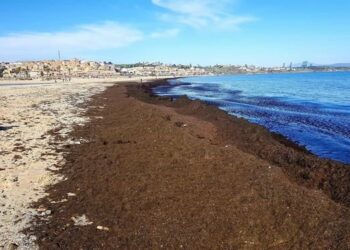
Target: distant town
(67,69)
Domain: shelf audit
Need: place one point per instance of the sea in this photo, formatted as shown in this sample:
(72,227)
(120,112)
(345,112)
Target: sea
(311,109)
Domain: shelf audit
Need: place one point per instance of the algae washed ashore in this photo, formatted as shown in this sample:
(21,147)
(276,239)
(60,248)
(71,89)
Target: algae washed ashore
(157,174)
(312,109)
(36,119)
(28,152)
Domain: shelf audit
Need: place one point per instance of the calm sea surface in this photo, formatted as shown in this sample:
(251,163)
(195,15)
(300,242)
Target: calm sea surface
(311,109)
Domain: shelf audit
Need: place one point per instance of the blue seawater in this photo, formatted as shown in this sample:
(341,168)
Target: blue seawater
(311,109)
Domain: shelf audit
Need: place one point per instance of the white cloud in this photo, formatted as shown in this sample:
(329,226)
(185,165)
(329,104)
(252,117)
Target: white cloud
(202,13)
(165,34)
(85,38)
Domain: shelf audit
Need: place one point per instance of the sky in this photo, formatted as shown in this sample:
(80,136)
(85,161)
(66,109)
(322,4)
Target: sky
(265,33)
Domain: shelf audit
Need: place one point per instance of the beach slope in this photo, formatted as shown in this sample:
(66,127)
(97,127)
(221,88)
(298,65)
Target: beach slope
(154,174)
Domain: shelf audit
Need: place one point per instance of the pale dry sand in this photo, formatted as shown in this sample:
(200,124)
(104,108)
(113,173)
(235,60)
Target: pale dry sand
(27,151)
(82,80)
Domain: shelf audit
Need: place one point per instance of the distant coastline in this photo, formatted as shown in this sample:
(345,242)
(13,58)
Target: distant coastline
(4,82)
(12,82)
(71,70)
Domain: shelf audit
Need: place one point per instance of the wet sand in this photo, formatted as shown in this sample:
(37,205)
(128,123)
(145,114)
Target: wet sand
(152,173)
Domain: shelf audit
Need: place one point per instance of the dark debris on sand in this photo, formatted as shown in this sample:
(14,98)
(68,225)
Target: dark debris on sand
(146,181)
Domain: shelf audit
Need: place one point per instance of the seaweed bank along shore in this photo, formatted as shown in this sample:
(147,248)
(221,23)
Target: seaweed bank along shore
(153,173)
(31,118)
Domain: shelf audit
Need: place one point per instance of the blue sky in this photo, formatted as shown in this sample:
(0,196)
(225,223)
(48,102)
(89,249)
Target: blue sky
(177,31)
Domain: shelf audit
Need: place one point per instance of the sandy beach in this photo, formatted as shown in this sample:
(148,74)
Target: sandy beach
(146,172)
(4,82)
(32,118)
(173,124)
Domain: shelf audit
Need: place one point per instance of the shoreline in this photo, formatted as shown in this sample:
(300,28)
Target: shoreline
(281,138)
(318,143)
(147,78)
(157,173)
(314,171)
(81,80)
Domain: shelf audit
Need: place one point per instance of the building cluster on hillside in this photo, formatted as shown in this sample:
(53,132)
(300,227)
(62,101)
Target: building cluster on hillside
(159,69)
(67,69)
(64,69)
(246,69)
(251,69)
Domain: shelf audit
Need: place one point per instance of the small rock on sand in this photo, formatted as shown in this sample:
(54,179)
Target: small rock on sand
(81,220)
(102,228)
